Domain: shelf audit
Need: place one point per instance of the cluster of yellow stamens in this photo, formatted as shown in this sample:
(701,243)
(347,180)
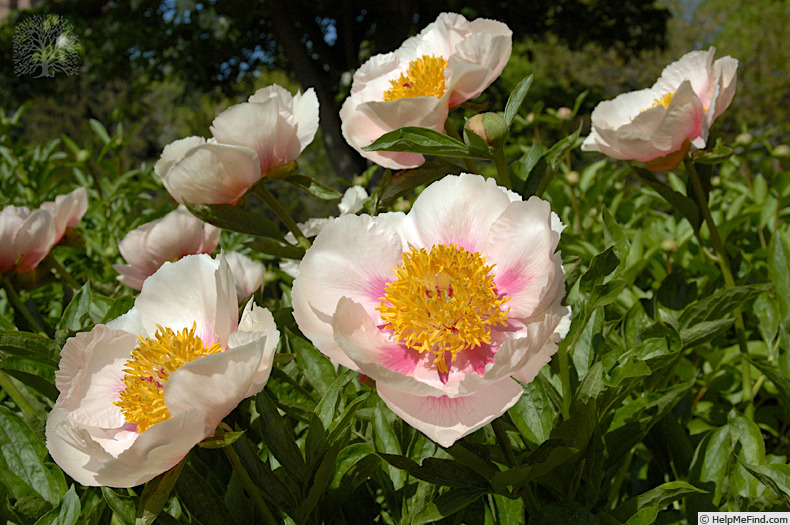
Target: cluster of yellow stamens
(663,101)
(142,402)
(423,78)
(442,301)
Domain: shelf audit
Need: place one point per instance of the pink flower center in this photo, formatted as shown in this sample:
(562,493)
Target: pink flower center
(443,301)
(142,402)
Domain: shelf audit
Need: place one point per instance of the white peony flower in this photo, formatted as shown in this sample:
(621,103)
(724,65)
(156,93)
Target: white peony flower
(452,60)
(660,124)
(444,307)
(138,393)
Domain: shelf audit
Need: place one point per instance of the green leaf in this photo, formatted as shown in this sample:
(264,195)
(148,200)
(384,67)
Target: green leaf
(313,187)
(717,155)
(718,305)
(235,219)
(705,331)
(155,494)
(22,455)
(272,247)
(515,100)
(548,164)
(711,463)
(656,498)
(452,501)
(99,129)
(272,488)
(685,205)
(532,414)
(774,476)
(561,512)
(404,181)
(320,482)
(777,377)
(279,438)
(386,441)
(614,236)
(543,460)
(317,368)
(122,506)
(439,471)
(77,313)
(425,142)
(778,263)
(66,513)
(221,439)
(601,266)
(203,502)
(24,344)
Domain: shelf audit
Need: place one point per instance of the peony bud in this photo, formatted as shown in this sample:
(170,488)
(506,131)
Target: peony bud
(491,127)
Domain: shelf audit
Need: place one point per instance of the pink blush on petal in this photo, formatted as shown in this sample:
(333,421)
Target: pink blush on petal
(400,358)
(474,359)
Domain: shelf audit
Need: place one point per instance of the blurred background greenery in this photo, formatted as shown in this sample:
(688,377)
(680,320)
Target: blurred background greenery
(165,68)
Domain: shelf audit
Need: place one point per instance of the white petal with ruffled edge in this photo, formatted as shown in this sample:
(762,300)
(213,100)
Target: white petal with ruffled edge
(445,419)
(455,210)
(331,269)
(213,174)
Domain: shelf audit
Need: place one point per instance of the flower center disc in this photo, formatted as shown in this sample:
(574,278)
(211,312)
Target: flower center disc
(423,78)
(142,402)
(442,301)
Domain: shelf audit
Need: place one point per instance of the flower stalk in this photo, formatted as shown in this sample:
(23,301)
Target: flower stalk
(729,282)
(267,197)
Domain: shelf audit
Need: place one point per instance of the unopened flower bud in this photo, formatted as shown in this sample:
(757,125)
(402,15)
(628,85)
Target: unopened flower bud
(564,113)
(572,177)
(490,127)
(743,139)
(782,150)
(669,245)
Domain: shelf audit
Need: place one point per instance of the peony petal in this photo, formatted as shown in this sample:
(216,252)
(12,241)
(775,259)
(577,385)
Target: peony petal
(156,450)
(455,210)
(67,210)
(247,274)
(213,174)
(257,327)
(445,419)
(521,244)
(305,110)
(90,376)
(697,68)
(377,355)
(73,448)
(214,384)
(195,289)
(33,240)
(353,200)
(359,130)
(352,257)
(174,152)
(724,71)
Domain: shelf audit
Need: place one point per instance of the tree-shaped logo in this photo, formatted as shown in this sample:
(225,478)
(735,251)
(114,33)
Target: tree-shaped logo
(46,44)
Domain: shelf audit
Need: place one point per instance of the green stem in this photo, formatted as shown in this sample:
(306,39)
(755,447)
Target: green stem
(14,393)
(565,378)
(265,195)
(504,442)
(729,282)
(252,489)
(452,132)
(19,306)
(501,167)
(71,281)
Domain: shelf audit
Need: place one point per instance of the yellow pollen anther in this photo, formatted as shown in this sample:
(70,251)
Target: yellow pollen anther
(423,78)
(662,101)
(142,402)
(442,301)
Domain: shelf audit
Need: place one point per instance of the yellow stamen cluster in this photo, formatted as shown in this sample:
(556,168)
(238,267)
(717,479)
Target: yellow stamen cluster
(142,402)
(662,101)
(442,301)
(423,78)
